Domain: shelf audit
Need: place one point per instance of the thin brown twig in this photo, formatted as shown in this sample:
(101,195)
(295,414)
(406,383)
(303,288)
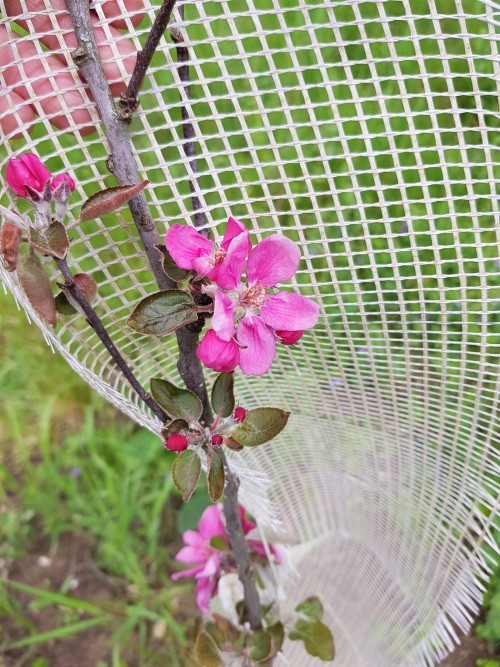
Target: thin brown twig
(123,165)
(97,325)
(129,100)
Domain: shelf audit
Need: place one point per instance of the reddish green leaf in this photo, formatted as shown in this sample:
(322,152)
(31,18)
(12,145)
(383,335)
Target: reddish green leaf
(317,638)
(177,403)
(109,200)
(163,312)
(278,634)
(170,267)
(10,242)
(233,445)
(215,476)
(63,306)
(223,394)
(260,426)
(53,241)
(87,285)
(36,286)
(206,651)
(186,471)
(224,633)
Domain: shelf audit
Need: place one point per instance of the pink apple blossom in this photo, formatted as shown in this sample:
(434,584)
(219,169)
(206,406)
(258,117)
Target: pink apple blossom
(211,563)
(60,178)
(251,313)
(194,252)
(28,170)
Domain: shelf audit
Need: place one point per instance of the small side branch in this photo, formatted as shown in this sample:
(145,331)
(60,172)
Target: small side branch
(96,323)
(239,548)
(187,125)
(130,98)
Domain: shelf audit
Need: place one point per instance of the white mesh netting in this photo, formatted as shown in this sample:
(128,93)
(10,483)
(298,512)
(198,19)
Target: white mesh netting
(367,132)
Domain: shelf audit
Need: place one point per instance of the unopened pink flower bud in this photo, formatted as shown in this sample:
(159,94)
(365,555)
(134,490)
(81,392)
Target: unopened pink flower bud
(27,170)
(217,440)
(62,178)
(240,414)
(177,442)
(289,337)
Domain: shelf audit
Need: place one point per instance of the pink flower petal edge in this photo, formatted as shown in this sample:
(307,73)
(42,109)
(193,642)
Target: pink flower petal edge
(189,249)
(257,346)
(289,311)
(274,260)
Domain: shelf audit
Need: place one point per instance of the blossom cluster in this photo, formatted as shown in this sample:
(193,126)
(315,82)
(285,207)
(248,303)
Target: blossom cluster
(211,557)
(250,315)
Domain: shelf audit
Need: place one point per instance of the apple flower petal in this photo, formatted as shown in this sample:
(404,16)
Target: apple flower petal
(189,249)
(274,260)
(223,318)
(289,311)
(257,345)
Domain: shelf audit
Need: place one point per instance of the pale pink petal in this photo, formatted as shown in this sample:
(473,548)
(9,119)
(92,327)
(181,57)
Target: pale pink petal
(192,538)
(190,555)
(189,249)
(231,267)
(210,523)
(223,319)
(219,355)
(205,589)
(212,566)
(272,261)
(187,573)
(257,345)
(289,311)
(235,228)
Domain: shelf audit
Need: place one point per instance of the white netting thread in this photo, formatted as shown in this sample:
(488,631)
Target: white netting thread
(365,131)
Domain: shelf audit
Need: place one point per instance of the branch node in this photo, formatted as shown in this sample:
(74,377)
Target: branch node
(147,223)
(80,55)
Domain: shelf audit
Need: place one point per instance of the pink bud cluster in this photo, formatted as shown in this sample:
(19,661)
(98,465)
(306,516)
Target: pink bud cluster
(179,442)
(28,177)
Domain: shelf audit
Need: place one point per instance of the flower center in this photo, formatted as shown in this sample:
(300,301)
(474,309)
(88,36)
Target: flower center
(253,297)
(220,253)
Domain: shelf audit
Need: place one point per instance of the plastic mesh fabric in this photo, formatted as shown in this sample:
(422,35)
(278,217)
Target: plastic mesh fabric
(367,132)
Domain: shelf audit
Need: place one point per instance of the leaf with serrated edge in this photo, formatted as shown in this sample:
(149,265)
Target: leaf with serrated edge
(170,267)
(311,607)
(109,200)
(177,403)
(54,241)
(162,313)
(206,651)
(223,395)
(317,638)
(36,286)
(186,471)
(215,476)
(260,645)
(260,426)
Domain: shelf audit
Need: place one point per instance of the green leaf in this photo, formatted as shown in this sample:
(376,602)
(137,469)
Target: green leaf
(206,651)
(311,607)
(177,403)
(223,395)
(63,306)
(109,200)
(219,543)
(36,286)
(186,472)
(277,632)
(163,312)
(317,638)
(59,633)
(260,645)
(170,267)
(175,426)
(260,426)
(224,633)
(50,597)
(215,476)
(54,241)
